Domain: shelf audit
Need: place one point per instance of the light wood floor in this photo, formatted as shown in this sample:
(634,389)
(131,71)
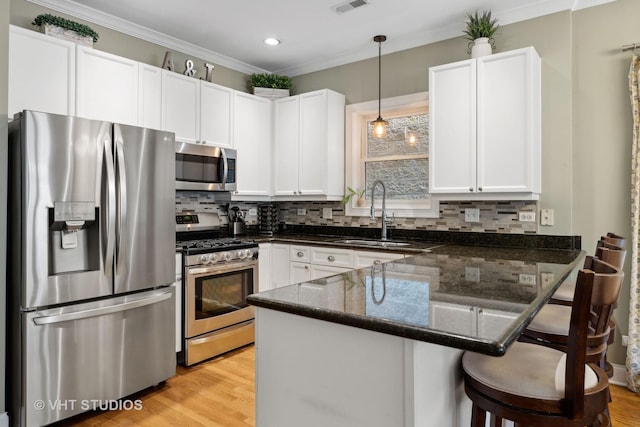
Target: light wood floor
(220,392)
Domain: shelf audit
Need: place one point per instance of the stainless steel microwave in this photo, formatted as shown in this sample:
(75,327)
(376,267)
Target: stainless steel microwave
(205,168)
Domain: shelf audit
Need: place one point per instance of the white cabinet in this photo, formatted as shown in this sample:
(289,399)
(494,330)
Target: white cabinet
(150,97)
(469,320)
(252,140)
(216,114)
(264,267)
(484,123)
(41,73)
(199,112)
(309,146)
(181,106)
(106,86)
(366,259)
(279,265)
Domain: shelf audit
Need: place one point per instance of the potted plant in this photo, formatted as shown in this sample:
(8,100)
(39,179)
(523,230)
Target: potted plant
(354,193)
(66,29)
(480,30)
(271,86)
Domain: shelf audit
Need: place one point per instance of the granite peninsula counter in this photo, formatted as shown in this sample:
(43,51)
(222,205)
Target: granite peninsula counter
(381,346)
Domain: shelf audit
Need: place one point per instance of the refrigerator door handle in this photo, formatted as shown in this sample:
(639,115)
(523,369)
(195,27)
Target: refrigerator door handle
(225,167)
(122,191)
(101,311)
(111,206)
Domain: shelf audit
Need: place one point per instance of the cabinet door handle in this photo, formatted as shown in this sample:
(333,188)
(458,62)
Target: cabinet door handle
(480,310)
(377,262)
(306,267)
(300,254)
(331,258)
(471,189)
(479,188)
(471,308)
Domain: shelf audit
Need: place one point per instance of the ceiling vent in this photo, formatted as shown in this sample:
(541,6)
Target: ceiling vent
(349,5)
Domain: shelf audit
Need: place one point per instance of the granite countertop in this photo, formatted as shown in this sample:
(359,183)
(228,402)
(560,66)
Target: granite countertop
(347,242)
(417,297)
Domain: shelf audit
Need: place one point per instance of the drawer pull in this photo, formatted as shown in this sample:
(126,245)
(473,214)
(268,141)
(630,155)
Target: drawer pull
(377,262)
(300,254)
(331,258)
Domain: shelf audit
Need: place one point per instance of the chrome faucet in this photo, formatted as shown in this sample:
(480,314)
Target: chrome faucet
(385,219)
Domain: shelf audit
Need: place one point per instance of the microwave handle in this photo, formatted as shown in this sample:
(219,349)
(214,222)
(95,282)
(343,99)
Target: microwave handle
(225,168)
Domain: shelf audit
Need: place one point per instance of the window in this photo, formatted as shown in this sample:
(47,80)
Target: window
(401,160)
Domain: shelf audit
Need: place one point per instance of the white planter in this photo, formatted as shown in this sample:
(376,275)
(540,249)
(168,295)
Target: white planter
(61,33)
(481,47)
(267,92)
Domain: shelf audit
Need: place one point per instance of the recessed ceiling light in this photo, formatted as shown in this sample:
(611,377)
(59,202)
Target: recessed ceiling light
(272,41)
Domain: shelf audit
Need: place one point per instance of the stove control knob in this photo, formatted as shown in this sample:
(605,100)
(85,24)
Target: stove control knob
(213,258)
(204,259)
(241,254)
(249,253)
(226,256)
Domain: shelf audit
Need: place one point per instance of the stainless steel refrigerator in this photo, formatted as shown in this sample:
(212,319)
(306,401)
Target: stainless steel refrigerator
(91,261)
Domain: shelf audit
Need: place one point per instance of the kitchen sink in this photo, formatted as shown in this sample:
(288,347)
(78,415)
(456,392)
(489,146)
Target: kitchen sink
(379,243)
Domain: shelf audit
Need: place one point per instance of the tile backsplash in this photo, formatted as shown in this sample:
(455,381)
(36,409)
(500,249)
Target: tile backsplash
(495,217)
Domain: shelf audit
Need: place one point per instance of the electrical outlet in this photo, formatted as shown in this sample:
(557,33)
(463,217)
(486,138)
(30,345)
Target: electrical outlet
(253,211)
(625,340)
(527,279)
(472,274)
(546,217)
(472,215)
(302,211)
(527,216)
(327,213)
(547,279)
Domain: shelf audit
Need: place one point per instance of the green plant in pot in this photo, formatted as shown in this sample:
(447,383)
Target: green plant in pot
(66,24)
(480,30)
(357,193)
(272,81)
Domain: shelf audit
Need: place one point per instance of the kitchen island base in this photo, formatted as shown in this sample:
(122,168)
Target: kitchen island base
(316,373)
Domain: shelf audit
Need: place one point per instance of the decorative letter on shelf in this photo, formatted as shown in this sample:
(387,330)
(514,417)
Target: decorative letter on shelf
(168,62)
(209,68)
(189,71)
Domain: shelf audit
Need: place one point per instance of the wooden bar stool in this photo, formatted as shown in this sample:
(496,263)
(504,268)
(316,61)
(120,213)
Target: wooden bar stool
(564,294)
(550,327)
(534,385)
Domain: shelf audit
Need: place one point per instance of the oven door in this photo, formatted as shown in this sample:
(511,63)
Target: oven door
(216,296)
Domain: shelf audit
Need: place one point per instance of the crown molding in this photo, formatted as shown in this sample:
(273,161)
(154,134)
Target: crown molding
(583,4)
(117,24)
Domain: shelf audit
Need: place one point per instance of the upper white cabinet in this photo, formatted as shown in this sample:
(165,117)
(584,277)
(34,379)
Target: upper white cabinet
(150,97)
(199,112)
(181,106)
(252,140)
(484,124)
(309,146)
(42,72)
(216,114)
(106,86)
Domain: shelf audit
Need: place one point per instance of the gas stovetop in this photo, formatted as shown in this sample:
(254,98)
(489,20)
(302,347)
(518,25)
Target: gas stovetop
(197,246)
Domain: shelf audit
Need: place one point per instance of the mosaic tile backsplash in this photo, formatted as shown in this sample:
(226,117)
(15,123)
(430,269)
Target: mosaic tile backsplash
(495,217)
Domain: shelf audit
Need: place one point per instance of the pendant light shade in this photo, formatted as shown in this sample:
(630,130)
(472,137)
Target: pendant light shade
(379,125)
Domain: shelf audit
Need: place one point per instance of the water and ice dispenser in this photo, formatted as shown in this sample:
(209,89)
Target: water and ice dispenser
(74,237)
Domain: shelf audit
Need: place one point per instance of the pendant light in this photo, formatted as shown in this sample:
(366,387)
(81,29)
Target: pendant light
(379,125)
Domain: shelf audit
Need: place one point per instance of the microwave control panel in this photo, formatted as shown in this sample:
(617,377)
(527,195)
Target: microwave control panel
(187,219)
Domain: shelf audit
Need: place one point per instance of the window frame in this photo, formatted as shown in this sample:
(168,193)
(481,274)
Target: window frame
(356,129)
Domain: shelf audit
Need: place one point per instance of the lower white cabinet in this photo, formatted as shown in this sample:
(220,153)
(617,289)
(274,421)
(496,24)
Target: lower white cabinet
(283,264)
(264,267)
(469,320)
(279,265)
(366,258)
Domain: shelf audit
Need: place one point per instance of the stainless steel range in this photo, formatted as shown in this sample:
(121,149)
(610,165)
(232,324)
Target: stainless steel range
(219,274)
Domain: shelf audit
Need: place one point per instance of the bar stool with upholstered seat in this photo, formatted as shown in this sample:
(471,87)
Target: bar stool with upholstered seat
(534,385)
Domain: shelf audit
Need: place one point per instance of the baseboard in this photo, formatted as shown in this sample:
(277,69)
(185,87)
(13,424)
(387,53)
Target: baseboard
(619,375)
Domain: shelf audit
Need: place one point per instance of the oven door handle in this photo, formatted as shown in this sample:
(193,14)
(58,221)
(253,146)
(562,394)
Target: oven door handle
(219,268)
